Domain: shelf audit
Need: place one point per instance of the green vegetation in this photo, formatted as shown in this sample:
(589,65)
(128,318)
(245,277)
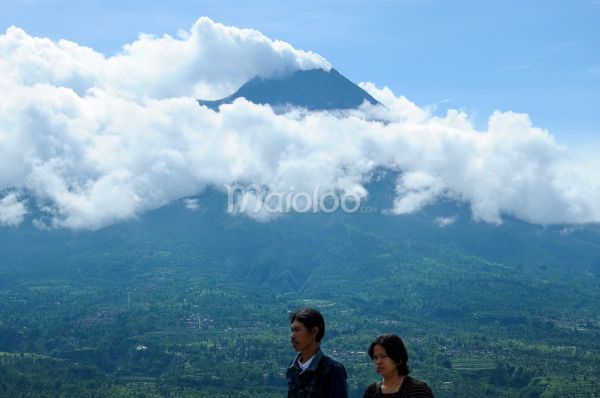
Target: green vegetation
(196,306)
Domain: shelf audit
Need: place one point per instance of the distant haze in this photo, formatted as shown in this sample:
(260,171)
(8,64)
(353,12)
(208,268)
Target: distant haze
(90,140)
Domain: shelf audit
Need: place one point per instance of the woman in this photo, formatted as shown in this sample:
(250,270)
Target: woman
(391,362)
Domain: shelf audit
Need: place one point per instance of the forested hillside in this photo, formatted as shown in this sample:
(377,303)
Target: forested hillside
(194,303)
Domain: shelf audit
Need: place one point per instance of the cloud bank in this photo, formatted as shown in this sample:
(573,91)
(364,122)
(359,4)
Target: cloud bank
(12,211)
(98,140)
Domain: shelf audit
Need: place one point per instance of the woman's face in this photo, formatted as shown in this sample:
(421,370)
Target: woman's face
(384,365)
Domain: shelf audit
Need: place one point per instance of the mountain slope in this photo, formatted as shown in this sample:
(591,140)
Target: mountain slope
(313,89)
(476,302)
(184,297)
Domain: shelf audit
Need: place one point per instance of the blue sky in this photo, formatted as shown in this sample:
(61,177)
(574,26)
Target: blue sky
(536,57)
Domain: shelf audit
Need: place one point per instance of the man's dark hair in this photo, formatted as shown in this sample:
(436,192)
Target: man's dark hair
(395,349)
(310,318)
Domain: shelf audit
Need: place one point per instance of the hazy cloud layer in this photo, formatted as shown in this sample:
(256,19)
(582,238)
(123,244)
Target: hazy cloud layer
(208,61)
(103,139)
(12,211)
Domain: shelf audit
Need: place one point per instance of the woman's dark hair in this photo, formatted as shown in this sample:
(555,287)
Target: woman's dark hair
(310,318)
(395,349)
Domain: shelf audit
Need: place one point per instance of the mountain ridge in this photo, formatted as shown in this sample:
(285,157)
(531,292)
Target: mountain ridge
(314,89)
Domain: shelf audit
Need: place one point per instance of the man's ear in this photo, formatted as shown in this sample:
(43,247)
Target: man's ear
(314,330)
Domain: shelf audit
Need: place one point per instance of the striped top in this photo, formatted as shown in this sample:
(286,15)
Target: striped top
(410,388)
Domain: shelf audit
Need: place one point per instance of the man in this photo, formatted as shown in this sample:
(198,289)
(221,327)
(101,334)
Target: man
(312,374)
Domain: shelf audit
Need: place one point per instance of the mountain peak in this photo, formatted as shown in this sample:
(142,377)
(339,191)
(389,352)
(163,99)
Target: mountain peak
(314,89)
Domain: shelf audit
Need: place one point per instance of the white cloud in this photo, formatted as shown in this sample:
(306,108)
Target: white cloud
(445,221)
(592,72)
(105,139)
(12,211)
(192,204)
(415,190)
(208,61)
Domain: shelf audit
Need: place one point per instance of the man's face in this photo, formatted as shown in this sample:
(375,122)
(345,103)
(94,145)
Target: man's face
(301,336)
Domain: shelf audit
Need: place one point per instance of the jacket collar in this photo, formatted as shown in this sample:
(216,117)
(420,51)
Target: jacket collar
(313,364)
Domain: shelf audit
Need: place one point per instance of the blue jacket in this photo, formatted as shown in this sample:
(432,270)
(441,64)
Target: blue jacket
(324,378)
